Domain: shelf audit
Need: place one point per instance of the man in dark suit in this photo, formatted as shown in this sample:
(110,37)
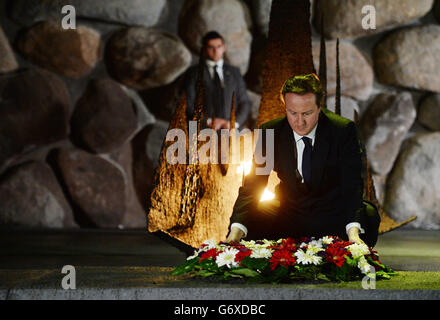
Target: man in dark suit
(221,80)
(318,159)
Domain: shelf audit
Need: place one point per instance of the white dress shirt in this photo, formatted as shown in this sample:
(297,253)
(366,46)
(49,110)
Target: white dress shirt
(219,64)
(211,70)
(300,149)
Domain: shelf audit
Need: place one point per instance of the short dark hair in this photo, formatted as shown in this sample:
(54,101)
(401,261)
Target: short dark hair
(209,36)
(302,84)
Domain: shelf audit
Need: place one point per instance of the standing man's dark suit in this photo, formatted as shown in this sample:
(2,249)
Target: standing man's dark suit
(233,82)
(334,198)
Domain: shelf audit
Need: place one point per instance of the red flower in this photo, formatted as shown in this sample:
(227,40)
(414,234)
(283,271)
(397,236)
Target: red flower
(282,257)
(335,254)
(211,253)
(242,254)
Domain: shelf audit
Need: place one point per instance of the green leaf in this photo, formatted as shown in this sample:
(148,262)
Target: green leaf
(255,263)
(246,272)
(186,267)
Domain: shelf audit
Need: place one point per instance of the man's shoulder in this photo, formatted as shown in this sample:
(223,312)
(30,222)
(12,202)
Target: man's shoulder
(336,121)
(273,124)
(233,69)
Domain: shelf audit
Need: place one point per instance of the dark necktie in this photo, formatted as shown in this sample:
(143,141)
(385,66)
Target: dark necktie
(218,98)
(307,161)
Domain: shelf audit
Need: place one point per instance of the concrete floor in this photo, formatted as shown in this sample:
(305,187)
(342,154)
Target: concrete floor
(109,260)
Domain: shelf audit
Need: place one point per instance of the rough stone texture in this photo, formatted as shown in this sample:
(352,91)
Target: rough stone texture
(146,150)
(30,196)
(162,101)
(231,18)
(145,58)
(255,100)
(384,126)
(380,187)
(343,18)
(7,62)
(96,185)
(412,187)
(34,112)
(134,216)
(144,116)
(357,75)
(134,12)
(104,118)
(71,53)
(261,15)
(429,112)
(348,106)
(409,58)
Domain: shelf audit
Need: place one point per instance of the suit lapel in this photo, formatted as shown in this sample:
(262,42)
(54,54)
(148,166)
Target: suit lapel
(320,149)
(287,151)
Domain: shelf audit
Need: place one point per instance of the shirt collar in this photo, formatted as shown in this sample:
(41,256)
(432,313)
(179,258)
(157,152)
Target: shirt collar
(211,63)
(310,135)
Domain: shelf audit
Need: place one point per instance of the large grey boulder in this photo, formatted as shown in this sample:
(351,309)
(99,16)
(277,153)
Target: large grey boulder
(409,58)
(144,58)
(96,185)
(412,186)
(357,75)
(72,53)
(261,15)
(8,62)
(104,118)
(34,112)
(231,18)
(343,18)
(30,196)
(131,12)
(384,126)
(429,112)
(348,106)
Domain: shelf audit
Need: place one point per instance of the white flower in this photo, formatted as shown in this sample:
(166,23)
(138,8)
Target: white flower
(210,244)
(227,258)
(261,252)
(307,257)
(364,266)
(358,250)
(196,254)
(327,240)
(316,243)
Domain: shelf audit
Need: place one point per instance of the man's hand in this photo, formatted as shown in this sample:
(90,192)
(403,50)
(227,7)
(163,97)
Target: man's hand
(353,235)
(220,123)
(235,235)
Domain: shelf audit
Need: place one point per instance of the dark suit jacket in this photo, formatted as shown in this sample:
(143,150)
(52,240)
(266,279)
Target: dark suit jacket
(233,82)
(335,194)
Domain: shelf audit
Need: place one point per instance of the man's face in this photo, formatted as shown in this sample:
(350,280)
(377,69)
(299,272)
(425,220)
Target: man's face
(302,112)
(215,49)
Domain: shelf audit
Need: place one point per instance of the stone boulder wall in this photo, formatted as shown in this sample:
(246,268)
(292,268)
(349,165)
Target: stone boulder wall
(343,18)
(135,216)
(104,118)
(384,126)
(144,58)
(72,53)
(412,186)
(231,18)
(136,12)
(96,186)
(409,58)
(8,62)
(30,196)
(429,112)
(261,15)
(34,112)
(357,74)
(348,106)
(146,152)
